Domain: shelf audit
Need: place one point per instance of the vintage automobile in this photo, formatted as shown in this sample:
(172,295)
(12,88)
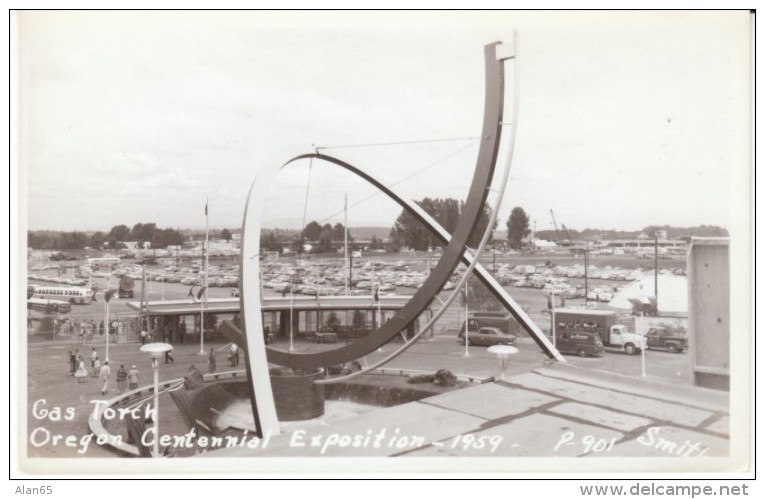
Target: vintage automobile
(669,339)
(487,336)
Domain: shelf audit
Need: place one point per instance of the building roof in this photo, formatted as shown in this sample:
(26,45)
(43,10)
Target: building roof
(231,305)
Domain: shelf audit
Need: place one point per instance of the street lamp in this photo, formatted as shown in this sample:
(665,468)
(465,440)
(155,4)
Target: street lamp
(107,296)
(503,353)
(157,351)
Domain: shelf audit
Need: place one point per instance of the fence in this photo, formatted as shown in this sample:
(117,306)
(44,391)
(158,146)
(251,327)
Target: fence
(85,328)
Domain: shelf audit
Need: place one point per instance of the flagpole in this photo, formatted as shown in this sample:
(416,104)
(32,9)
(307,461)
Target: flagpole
(203,301)
(347,267)
(467,342)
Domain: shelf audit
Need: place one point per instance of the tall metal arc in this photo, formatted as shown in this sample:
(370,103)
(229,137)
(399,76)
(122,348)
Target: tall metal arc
(479,187)
(443,235)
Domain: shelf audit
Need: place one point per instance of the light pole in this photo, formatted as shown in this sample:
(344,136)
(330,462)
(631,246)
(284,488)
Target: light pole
(156,350)
(467,342)
(202,303)
(292,315)
(586,288)
(107,296)
(552,316)
(656,265)
(503,353)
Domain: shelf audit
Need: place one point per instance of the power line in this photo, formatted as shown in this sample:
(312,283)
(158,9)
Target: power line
(377,144)
(417,172)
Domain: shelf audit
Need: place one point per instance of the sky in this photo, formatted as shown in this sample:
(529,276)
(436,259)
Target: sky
(626,119)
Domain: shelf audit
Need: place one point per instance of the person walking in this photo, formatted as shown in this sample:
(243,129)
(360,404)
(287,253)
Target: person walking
(72,363)
(81,374)
(93,358)
(211,364)
(182,332)
(96,368)
(132,378)
(104,375)
(122,376)
(234,355)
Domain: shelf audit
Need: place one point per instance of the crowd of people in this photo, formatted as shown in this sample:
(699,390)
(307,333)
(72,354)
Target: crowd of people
(101,371)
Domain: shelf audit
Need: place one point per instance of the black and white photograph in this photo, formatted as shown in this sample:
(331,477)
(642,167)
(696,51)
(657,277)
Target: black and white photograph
(476,243)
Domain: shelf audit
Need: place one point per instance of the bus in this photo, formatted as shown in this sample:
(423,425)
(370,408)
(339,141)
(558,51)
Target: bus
(48,307)
(70,294)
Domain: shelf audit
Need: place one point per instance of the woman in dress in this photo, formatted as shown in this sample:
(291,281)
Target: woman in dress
(81,374)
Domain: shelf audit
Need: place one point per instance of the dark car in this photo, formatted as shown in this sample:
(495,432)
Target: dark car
(487,336)
(581,343)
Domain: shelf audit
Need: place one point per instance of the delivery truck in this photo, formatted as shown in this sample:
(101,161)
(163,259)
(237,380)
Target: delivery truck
(604,323)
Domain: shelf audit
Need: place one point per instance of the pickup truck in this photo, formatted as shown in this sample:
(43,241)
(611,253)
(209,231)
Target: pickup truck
(671,340)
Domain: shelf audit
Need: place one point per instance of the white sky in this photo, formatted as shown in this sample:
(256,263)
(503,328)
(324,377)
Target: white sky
(626,118)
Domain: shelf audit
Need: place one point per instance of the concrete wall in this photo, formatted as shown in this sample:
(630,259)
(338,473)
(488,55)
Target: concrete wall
(709,311)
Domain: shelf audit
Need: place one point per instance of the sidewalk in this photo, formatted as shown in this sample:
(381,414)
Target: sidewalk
(556,411)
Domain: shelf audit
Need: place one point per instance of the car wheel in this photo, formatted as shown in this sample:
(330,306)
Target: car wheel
(672,348)
(582,353)
(72,301)
(630,349)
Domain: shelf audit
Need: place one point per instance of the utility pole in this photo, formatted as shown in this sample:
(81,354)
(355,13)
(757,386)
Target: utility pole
(494,264)
(656,264)
(586,254)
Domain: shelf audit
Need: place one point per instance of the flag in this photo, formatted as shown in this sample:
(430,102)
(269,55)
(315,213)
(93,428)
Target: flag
(108,295)
(206,202)
(376,296)
(201,292)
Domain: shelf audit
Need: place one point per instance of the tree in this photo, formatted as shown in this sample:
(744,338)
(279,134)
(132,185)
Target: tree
(332,322)
(312,231)
(269,243)
(297,244)
(376,243)
(165,237)
(225,234)
(338,231)
(143,232)
(358,320)
(325,240)
(517,227)
(408,231)
(120,233)
(97,239)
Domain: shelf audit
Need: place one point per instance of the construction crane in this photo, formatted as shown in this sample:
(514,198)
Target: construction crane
(557,234)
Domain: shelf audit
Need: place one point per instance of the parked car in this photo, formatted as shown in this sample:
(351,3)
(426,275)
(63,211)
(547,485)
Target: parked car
(580,343)
(487,336)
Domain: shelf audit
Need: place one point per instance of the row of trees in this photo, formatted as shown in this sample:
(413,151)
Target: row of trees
(321,237)
(408,232)
(114,239)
